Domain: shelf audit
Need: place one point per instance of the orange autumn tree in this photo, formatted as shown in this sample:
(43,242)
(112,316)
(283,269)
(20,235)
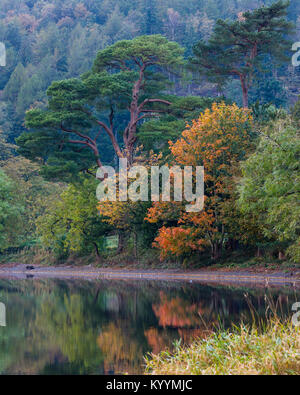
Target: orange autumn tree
(218,140)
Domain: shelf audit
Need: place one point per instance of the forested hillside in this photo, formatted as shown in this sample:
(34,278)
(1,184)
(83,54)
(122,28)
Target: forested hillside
(57,39)
(154,82)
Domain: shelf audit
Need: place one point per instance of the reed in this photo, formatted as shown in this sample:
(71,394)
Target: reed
(271,348)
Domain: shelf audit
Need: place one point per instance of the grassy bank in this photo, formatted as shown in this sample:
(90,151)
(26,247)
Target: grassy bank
(273,350)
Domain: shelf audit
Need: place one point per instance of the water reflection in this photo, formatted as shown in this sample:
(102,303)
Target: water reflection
(106,327)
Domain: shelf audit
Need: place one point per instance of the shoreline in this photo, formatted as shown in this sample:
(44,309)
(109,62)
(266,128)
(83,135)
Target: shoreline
(218,276)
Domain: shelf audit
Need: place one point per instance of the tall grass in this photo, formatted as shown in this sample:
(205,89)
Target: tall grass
(271,348)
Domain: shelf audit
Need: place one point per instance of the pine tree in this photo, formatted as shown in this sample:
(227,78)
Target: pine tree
(151,17)
(15,83)
(236,49)
(80,111)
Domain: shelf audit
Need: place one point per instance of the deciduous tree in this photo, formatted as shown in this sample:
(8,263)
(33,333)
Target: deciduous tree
(11,209)
(270,187)
(218,140)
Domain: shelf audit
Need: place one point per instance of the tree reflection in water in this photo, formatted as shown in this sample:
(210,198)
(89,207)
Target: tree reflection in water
(106,327)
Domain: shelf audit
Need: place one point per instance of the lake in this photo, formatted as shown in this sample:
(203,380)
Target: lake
(107,326)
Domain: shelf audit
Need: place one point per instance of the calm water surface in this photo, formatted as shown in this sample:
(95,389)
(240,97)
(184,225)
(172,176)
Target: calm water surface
(106,327)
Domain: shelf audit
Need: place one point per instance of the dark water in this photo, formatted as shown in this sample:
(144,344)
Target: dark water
(106,327)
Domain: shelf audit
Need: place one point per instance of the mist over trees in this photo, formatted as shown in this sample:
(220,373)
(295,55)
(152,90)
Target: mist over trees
(56,39)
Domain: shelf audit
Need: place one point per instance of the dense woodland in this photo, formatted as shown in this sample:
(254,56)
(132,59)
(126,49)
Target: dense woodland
(201,82)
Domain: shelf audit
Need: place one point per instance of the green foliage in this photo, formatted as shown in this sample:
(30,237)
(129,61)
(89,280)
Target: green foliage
(266,113)
(72,223)
(156,134)
(58,39)
(296,111)
(268,90)
(237,48)
(6,150)
(11,209)
(270,187)
(84,113)
(33,191)
(153,50)
(78,108)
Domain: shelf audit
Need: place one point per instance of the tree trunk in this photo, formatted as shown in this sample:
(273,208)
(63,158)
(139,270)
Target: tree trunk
(258,253)
(135,240)
(130,132)
(216,251)
(121,242)
(98,256)
(245,92)
(281,256)
(232,245)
